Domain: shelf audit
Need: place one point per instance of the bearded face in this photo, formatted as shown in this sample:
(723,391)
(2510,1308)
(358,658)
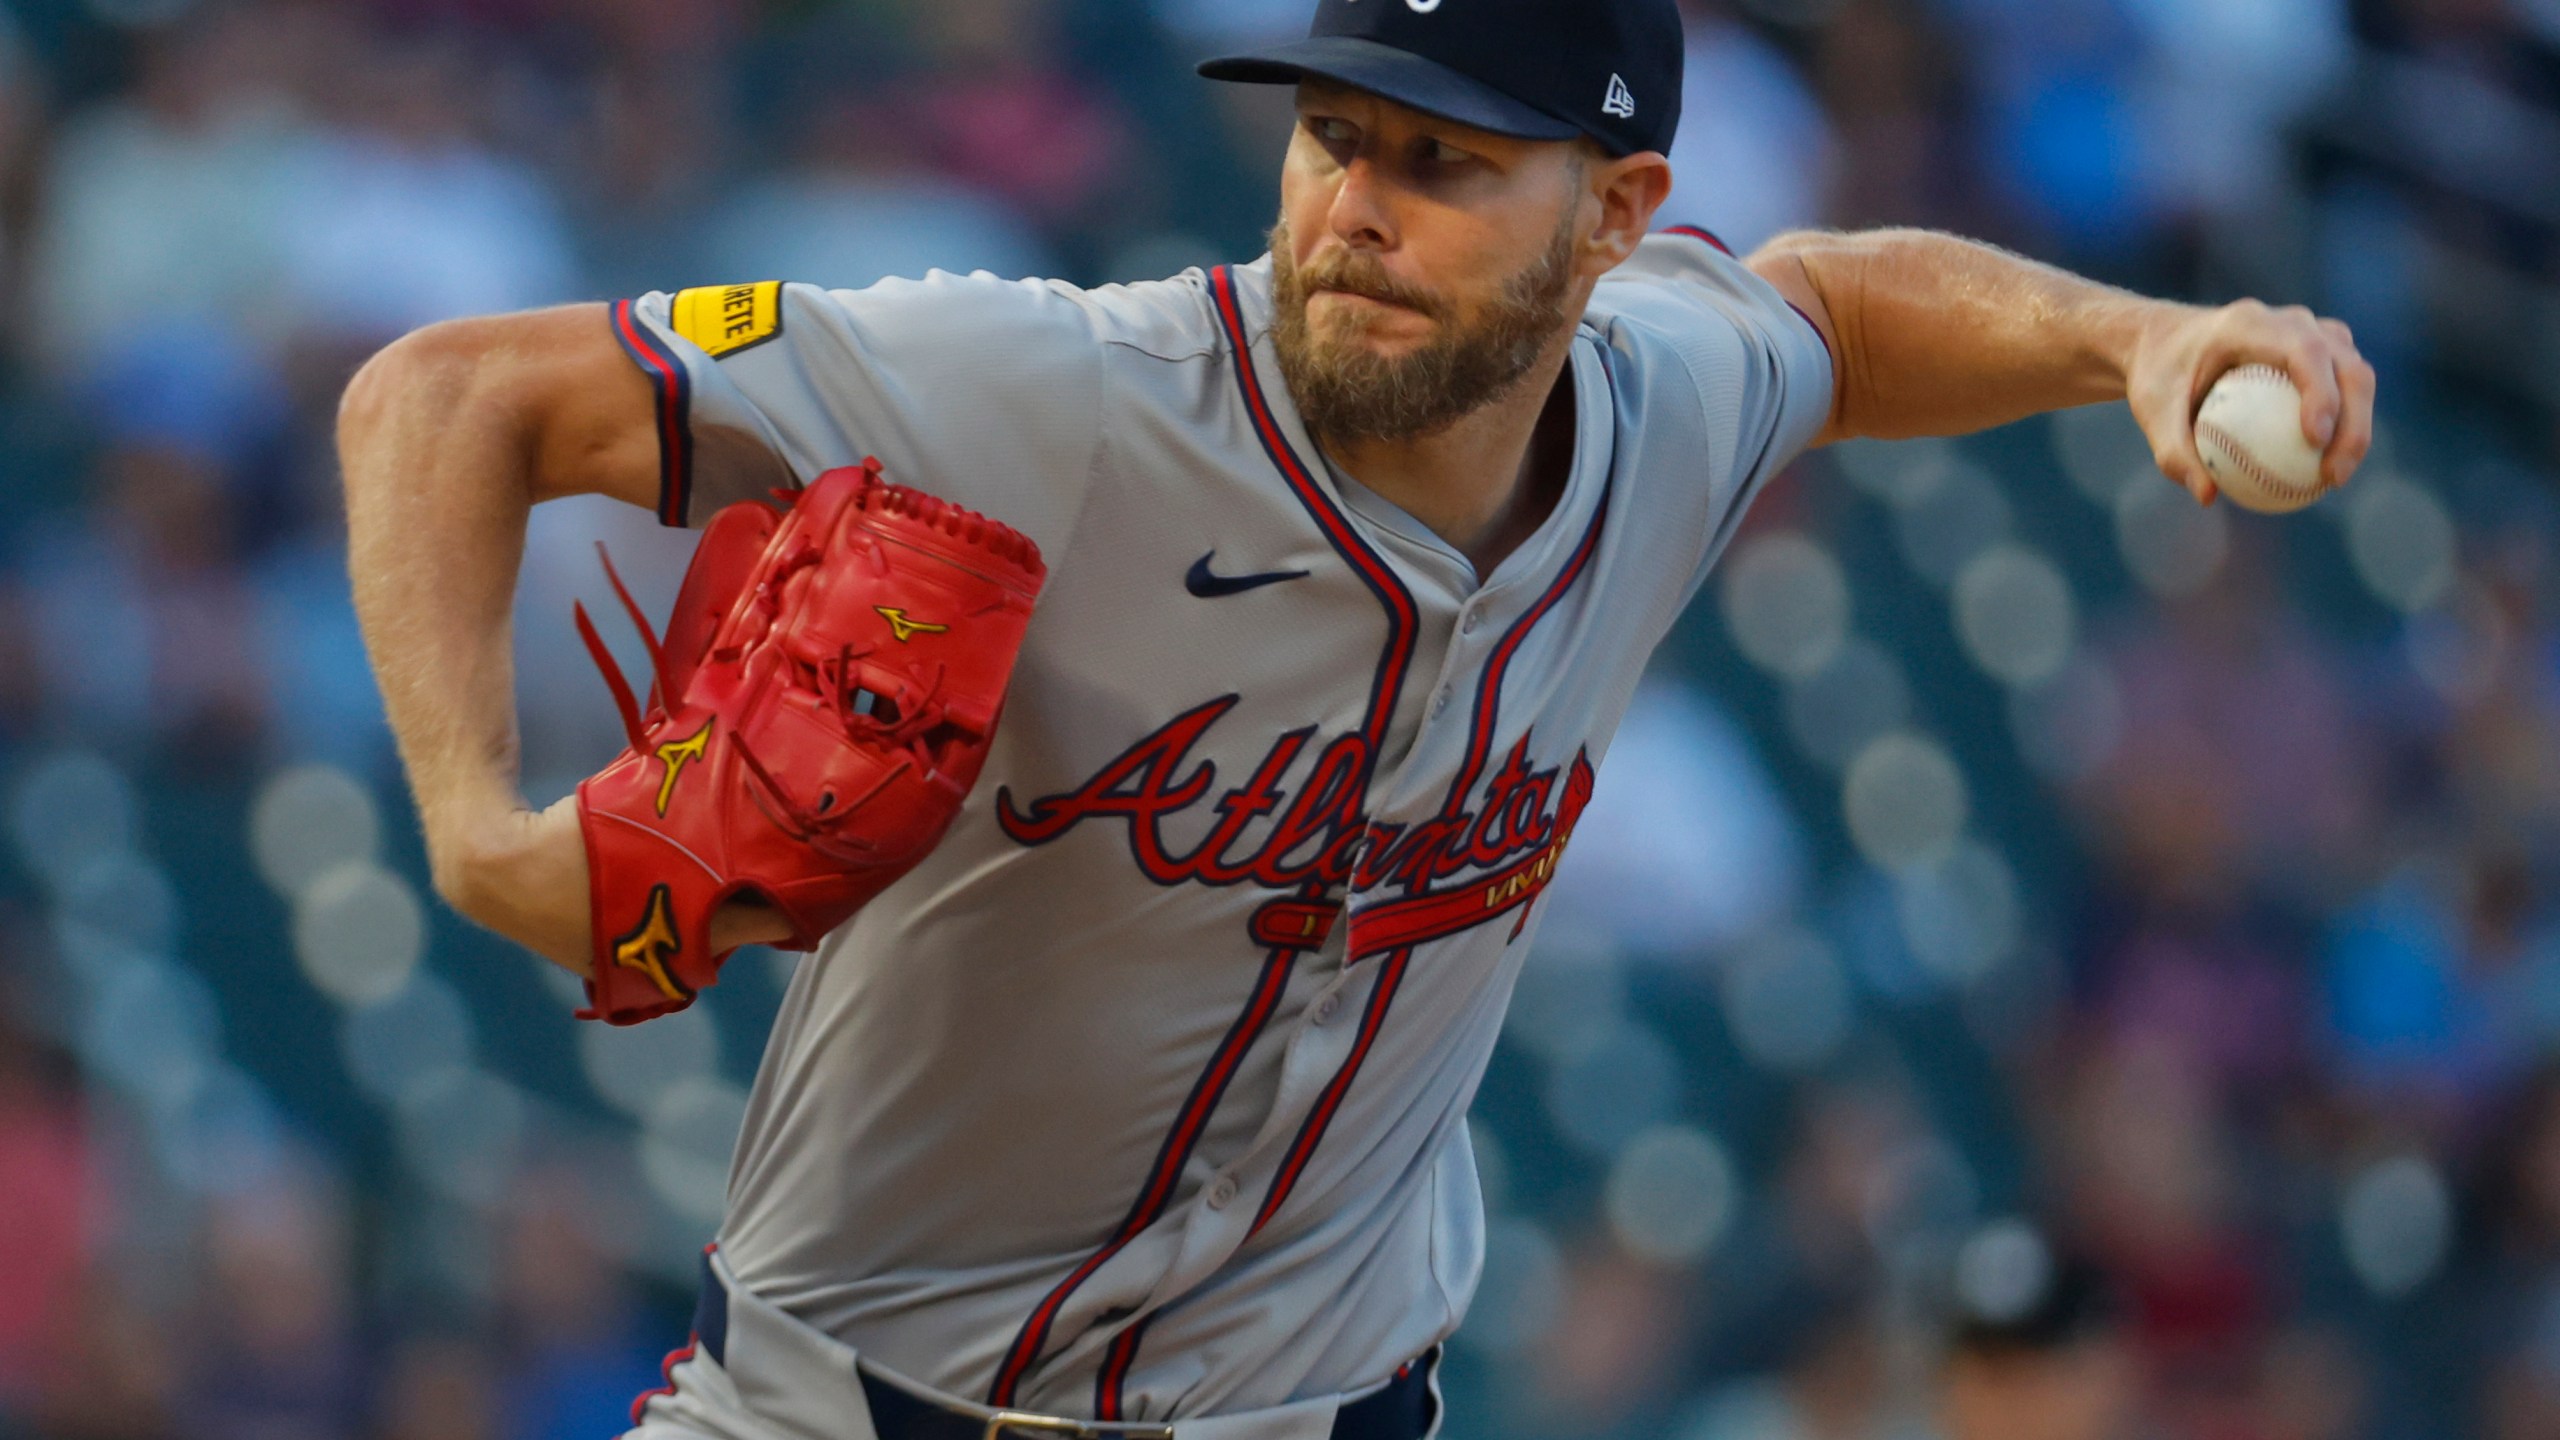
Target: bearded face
(1348,390)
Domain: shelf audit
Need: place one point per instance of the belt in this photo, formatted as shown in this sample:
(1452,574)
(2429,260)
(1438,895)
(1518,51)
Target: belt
(1405,1409)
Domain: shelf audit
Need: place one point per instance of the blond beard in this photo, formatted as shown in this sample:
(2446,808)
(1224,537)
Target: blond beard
(1346,393)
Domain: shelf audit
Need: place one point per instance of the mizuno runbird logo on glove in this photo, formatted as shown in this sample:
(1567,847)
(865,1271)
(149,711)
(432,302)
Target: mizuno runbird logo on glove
(796,748)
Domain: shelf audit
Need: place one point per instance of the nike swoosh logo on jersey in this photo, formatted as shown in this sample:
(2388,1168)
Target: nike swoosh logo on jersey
(1209,585)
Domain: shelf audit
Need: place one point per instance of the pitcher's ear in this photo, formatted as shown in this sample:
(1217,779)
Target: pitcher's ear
(1631,189)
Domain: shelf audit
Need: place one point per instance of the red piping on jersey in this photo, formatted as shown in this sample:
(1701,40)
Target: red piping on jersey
(1276,969)
(1533,872)
(1817,334)
(1695,233)
(1498,664)
(1170,1158)
(1395,657)
(1700,232)
(1436,914)
(673,389)
(1108,1385)
(667,1372)
(1122,1354)
(1402,617)
(1390,976)
(676,1357)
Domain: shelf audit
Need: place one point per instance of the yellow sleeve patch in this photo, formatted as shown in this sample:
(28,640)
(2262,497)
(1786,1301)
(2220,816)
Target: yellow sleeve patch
(725,319)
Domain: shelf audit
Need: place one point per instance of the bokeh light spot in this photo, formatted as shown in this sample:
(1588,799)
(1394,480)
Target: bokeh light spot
(1671,1195)
(307,821)
(2170,543)
(632,1067)
(1786,601)
(2014,615)
(1905,801)
(2395,1220)
(2402,542)
(358,931)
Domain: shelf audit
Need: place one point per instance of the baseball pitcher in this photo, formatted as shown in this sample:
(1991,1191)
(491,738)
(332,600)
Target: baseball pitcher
(1164,746)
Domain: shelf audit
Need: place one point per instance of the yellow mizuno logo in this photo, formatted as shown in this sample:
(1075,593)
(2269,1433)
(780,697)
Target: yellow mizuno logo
(906,629)
(649,948)
(676,754)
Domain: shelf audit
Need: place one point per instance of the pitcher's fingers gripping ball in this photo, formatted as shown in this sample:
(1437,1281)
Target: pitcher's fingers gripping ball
(2250,435)
(825,694)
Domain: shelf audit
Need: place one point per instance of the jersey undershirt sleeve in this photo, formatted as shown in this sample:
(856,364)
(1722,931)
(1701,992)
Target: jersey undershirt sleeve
(981,391)
(1759,375)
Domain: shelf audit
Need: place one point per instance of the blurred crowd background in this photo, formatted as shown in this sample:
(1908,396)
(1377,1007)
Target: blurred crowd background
(2045,960)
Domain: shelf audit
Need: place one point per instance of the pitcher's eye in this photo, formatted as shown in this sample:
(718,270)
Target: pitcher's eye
(1444,153)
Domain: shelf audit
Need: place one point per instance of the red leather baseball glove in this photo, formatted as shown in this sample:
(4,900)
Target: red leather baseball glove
(825,695)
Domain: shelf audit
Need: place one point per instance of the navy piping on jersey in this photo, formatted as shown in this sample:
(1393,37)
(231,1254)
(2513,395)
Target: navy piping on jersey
(1170,1159)
(1394,659)
(1395,965)
(1701,232)
(1320,1119)
(672,391)
(1109,1385)
(1489,686)
(1391,971)
(1694,232)
(693,1345)
(1205,1095)
(1402,617)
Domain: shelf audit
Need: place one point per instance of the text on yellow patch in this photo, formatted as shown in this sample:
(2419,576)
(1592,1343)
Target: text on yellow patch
(725,319)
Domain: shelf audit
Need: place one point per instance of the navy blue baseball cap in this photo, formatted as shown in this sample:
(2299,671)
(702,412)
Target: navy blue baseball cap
(1536,69)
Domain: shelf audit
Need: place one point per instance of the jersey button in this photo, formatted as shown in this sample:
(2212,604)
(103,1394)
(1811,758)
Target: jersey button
(1328,1007)
(1468,625)
(1439,703)
(1223,1193)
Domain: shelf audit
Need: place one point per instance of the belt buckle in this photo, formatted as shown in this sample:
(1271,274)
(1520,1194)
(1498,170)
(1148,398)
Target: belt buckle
(1004,1420)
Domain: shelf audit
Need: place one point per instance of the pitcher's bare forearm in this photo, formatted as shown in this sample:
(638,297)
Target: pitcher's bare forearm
(446,441)
(1935,335)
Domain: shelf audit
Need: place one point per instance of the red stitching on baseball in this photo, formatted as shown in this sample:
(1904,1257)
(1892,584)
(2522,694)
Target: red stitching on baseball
(2247,463)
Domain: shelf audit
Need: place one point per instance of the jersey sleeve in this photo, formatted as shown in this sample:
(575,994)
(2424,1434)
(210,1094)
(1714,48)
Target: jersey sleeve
(981,391)
(1757,374)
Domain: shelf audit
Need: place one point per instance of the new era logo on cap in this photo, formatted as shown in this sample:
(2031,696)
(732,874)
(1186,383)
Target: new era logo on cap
(1621,101)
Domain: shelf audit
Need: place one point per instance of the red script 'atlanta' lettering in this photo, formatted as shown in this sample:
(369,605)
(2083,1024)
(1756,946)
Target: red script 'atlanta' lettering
(1318,834)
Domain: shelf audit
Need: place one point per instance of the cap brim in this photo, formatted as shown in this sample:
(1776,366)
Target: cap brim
(1398,75)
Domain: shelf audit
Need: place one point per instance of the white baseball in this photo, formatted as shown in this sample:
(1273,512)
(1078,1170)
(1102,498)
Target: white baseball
(2250,433)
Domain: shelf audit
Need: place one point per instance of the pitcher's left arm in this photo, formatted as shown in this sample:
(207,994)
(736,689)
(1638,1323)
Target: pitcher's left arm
(1935,335)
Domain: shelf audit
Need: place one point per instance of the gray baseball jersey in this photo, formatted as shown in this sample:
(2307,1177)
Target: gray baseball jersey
(1144,1096)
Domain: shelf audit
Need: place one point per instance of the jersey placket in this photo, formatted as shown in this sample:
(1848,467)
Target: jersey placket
(1325,1058)
(1210,1204)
